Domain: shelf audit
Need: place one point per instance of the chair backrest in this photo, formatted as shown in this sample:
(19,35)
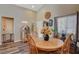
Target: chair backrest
(67,44)
(56,35)
(32,45)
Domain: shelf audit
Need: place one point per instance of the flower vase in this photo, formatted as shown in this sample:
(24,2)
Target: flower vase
(46,37)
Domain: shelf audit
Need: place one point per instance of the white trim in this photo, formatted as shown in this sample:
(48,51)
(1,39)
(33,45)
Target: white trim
(77,44)
(17,40)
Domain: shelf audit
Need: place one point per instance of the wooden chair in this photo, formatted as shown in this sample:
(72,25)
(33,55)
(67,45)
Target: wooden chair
(57,35)
(66,47)
(32,45)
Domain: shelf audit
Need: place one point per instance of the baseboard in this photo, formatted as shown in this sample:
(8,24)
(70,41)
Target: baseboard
(17,40)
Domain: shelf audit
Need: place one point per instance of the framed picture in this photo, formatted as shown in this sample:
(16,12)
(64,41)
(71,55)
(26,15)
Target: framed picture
(50,22)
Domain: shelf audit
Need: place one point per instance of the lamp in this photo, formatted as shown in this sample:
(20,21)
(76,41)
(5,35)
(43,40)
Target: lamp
(24,22)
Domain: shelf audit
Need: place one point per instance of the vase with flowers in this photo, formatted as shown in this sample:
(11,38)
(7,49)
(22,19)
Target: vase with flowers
(46,31)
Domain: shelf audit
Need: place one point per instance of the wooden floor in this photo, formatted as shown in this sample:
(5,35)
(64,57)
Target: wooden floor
(15,48)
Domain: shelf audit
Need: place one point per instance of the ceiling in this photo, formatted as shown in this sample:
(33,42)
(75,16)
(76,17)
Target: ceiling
(34,7)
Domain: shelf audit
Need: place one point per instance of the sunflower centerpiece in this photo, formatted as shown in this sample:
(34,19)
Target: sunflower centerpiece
(46,31)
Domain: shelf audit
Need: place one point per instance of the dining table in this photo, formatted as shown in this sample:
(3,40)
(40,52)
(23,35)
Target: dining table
(52,44)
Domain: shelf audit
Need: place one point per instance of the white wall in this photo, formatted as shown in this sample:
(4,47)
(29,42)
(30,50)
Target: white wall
(19,14)
(57,10)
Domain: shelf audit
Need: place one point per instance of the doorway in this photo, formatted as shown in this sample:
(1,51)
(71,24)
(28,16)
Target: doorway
(7,29)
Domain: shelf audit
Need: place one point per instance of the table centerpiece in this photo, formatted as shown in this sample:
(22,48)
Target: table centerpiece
(46,31)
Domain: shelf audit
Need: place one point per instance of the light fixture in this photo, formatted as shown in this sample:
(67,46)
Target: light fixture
(24,22)
(33,6)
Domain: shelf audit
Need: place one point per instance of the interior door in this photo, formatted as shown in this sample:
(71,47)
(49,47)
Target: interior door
(4,25)
(7,29)
(7,25)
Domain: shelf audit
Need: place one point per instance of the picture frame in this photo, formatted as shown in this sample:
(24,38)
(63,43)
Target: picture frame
(50,22)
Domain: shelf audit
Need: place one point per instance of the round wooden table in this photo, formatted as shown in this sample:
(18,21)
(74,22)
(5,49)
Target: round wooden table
(51,45)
